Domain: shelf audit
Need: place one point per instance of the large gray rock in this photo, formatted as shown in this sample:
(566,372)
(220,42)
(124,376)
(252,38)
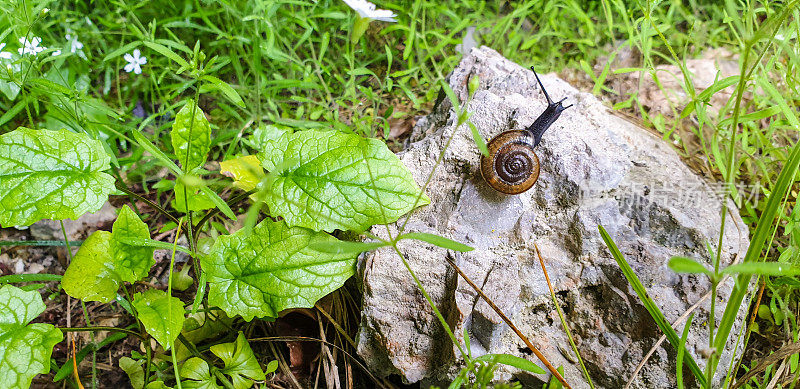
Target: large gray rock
(596,168)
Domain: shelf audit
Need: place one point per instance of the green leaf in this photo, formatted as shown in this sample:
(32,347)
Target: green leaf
(763,268)
(165,51)
(681,351)
(157,385)
(764,227)
(271,268)
(513,361)
(134,371)
(246,171)
(327,180)
(479,141)
(134,261)
(25,349)
(155,152)
(226,89)
(196,371)
(122,50)
(217,201)
(344,247)
(240,362)
(650,305)
(106,259)
(161,315)
(687,265)
(191,136)
(437,241)
(91,276)
(197,201)
(51,175)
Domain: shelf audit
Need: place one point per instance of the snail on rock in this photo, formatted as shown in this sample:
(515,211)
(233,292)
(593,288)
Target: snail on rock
(512,166)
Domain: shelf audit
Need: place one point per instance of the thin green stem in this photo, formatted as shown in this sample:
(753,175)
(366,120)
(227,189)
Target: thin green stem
(169,305)
(102,328)
(430,301)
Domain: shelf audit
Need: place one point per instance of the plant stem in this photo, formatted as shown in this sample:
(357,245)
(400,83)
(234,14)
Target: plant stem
(430,301)
(563,321)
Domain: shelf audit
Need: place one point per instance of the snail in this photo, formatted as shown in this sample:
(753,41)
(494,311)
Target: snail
(512,166)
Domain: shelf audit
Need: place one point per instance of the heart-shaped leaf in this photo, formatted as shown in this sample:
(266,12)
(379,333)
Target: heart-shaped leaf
(272,268)
(105,260)
(51,175)
(240,362)
(197,375)
(327,180)
(161,315)
(24,348)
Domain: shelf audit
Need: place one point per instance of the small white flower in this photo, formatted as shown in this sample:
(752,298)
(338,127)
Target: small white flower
(366,9)
(4,54)
(135,62)
(74,44)
(57,52)
(30,47)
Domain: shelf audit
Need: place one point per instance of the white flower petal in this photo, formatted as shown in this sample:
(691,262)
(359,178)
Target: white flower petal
(136,54)
(129,67)
(142,60)
(384,15)
(137,69)
(5,55)
(128,58)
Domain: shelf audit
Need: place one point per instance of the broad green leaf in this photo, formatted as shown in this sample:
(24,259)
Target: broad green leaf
(191,136)
(197,375)
(271,268)
(511,360)
(91,276)
(25,349)
(198,201)
(240,362)
(106,259)
(327,180)
(157,385)
(134,261)
(687,265)
(437,240)
(51,175)
(134,371)
(246,171)
(161,315)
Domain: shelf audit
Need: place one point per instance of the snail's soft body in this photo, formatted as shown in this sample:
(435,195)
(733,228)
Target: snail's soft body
(512,166)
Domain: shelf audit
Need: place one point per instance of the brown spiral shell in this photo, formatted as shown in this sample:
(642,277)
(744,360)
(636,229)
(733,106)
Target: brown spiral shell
(511,167)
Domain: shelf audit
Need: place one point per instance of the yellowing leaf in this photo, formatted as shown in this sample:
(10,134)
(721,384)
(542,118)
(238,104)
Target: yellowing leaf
(245,171)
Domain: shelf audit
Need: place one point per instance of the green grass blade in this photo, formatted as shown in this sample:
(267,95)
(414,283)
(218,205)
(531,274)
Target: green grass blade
(764,226)
(682,351)
(651,306)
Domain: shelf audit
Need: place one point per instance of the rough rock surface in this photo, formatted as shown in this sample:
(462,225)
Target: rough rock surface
(596,168)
